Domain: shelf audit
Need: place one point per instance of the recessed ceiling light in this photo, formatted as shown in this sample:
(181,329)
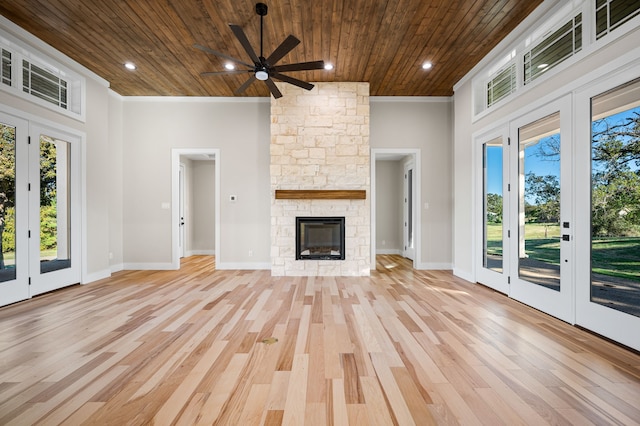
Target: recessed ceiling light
(229,66)
(328,66)
(427,66)
(130,66)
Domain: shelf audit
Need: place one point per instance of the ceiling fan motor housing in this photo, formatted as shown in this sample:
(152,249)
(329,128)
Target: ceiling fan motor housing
(261,9)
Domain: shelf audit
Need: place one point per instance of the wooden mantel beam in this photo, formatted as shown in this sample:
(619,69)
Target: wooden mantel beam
(320,194)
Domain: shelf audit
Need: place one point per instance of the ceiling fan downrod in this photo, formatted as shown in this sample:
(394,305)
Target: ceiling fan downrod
(261,9)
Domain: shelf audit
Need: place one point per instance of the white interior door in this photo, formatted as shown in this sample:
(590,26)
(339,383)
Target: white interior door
(181,229)
(409,210)
(14,261)
(492,177)
(541,217)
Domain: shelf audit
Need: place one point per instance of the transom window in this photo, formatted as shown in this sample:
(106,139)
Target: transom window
(555,48)
(610,14)
(43,84)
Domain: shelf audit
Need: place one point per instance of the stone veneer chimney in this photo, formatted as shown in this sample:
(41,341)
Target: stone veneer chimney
(320,140)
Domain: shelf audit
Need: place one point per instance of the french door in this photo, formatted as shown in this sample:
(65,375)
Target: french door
(493,190)
(40,207)
(541,219)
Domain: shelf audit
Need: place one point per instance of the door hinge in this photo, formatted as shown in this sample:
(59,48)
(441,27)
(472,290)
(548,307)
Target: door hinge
(28,187)
(29,280)
(508,280)
(508,141)
(28,140)
(29,233)
(508,187)
(508,233)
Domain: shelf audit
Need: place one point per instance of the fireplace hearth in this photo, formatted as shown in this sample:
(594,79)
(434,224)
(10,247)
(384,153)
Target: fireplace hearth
(320,238)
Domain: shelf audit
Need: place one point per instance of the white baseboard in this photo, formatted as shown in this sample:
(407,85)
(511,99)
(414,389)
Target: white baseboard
(95,276)
(465,275)
(117,268)
(149,266)
(389,251)
(434,266)
(200,253)
(241,265)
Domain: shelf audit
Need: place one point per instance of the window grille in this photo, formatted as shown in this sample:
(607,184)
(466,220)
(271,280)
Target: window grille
(6,67)
(501,85)
(610,14)
(44,84)
(555,48)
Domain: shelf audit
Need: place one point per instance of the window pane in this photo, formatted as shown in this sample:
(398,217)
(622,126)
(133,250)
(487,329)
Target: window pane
(7,202)
(610,14)
(55,205)
(492,256)
(6,67)
(539,202)
(615,199)
(554,49)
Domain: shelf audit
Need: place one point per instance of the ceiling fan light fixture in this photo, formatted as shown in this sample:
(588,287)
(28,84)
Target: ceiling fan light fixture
(262,75)
(130,66)
(427,65)
(328,66)
(229,66)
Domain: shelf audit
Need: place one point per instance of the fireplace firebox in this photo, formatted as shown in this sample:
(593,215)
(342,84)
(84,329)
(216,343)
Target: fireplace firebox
(320,238)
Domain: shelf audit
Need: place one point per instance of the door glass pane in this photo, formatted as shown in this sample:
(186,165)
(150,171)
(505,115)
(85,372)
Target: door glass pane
(492,196)
(7,202)
(615,199)
(55,204)
(539,202)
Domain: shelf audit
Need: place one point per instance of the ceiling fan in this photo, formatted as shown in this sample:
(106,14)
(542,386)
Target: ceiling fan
(265,69)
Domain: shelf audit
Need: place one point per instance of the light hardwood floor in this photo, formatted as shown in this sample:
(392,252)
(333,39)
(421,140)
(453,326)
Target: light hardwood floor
(199,346)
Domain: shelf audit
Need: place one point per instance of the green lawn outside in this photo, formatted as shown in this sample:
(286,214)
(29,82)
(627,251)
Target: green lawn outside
(615,256)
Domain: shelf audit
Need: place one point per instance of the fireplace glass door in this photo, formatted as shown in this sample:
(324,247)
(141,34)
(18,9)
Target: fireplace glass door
(320,238)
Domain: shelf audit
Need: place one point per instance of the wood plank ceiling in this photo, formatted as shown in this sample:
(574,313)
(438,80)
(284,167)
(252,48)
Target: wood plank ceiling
(383,42)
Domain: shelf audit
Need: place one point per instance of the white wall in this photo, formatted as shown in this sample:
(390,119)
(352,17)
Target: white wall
(239,127)
(389,206)
(426,124)
(203,207)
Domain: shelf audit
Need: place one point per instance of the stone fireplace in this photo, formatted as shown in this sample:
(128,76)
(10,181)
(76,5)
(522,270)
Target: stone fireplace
(320,167)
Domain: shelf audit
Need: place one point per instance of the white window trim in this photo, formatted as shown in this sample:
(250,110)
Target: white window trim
(76,83)
(527,35)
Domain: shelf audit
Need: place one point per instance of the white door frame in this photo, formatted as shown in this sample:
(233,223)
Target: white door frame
(175,200)
(415,153)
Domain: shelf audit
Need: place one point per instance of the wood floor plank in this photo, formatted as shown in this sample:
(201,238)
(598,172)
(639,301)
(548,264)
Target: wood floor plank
(202,346)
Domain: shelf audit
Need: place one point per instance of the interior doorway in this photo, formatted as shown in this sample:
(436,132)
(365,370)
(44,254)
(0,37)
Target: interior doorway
(395,197)
(195,214)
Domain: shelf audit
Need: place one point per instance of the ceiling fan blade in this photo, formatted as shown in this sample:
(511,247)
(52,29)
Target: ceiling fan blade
(225,72)
(222,55)
(301,66)
(285,47)
(292,80)
(273,88)
(244,41)
(246,84)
